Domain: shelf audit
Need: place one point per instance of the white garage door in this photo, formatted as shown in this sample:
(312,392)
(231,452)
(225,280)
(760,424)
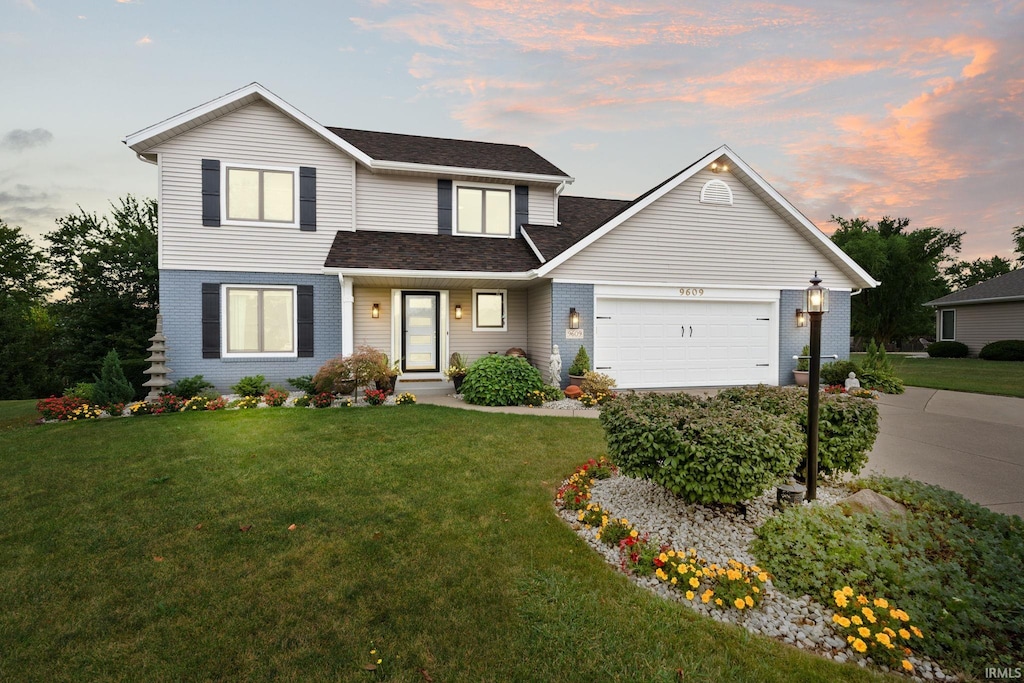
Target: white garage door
(671,343)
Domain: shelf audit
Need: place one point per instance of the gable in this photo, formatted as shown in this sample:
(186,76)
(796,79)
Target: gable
(680,239)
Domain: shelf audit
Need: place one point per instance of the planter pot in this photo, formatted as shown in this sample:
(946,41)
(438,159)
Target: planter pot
(575,380)
(457,381)
(387,384)
(801,377)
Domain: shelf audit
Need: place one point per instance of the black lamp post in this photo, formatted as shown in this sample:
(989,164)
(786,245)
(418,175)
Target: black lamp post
(816,305)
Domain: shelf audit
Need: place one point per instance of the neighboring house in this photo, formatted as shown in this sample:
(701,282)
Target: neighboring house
(989,311)
(284,243)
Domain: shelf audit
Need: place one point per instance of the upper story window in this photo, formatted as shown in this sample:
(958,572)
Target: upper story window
(483,211)
(259,195)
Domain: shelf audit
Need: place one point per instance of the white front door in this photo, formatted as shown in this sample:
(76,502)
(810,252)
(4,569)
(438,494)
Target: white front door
(647,343)
(420,337)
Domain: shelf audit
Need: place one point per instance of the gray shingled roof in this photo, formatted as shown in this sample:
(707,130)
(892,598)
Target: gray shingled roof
(418,149)
(579,216)
(375,249)
(1009,286)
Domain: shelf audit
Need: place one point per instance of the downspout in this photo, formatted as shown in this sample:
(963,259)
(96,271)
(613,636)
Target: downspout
(142,158)
(558,192)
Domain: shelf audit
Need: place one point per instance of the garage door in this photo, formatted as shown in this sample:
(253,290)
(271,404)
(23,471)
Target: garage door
(671,343)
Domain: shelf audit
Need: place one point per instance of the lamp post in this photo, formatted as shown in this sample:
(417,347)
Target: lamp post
(816,305)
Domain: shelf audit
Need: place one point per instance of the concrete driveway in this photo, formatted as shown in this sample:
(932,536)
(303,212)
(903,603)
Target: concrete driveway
(969,443)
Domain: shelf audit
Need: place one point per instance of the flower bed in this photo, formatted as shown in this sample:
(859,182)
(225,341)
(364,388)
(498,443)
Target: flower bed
(699,555)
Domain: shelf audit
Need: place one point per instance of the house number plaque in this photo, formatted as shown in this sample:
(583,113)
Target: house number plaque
(691,291)
(574,334)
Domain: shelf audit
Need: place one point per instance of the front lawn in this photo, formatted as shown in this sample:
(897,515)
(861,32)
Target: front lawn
(160,548)
(1002,378)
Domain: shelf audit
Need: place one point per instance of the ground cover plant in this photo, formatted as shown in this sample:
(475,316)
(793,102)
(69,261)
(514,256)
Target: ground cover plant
(952,564)
(495,380)
(960,374)
(165,548)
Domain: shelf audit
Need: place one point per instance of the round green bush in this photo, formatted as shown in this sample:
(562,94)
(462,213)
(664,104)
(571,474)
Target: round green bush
(838,371)
(500,381)
(1007,349)
(947,349)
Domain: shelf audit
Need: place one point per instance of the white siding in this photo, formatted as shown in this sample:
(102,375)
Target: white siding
(395,203)
(539,327)
(255,134)
(472,344)
(542,205)
(679,240)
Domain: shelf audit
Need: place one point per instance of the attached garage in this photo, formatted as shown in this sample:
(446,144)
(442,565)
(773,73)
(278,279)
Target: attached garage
(669,337)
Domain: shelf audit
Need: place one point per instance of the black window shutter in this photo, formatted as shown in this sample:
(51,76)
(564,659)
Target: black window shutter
(444,207)
(211,320)
(307,198)
(522,207)
(211,192)
(304,315)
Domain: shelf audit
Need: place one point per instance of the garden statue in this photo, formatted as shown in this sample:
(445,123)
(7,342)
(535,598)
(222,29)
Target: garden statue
(555,367)
(852,382)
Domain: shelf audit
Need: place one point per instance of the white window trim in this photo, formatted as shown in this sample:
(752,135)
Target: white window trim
(942,327)
(294,353)
(504,310)
(294,170)
(511,189)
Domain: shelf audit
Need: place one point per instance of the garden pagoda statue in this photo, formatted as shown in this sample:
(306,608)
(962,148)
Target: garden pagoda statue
(158,369)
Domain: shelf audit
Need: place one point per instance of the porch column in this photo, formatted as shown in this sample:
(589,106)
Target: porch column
(348,302)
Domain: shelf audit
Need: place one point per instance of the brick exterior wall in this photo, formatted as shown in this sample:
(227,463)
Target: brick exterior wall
(835,330)
(563,297)
(181,305)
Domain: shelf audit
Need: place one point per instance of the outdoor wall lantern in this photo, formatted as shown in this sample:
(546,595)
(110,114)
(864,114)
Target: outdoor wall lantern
(458,311)
(719,168)
(574,319)
(801,318)
(817,305)
(375,311)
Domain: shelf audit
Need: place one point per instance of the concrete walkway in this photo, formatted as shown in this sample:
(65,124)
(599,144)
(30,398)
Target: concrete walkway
(969,443)
(452,402)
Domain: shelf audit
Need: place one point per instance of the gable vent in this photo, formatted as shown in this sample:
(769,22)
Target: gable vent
(715,192)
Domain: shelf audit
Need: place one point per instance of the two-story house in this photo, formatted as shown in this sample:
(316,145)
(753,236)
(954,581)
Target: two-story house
(283,243)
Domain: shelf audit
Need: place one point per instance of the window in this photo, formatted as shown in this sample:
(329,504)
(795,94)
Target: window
(489,310)
(259,320)
(947,331)
(484,211)
(260,195)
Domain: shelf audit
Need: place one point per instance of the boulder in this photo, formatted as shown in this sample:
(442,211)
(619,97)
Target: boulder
(573,392)
(867,500)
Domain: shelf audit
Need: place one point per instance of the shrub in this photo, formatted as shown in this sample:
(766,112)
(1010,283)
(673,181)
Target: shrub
(838,371)
(581,363)
(187,387)
(322,400)
(1007,349)
(947,349)
(551,393)
(253,385)
(112,386)
(195,403)
(370,365)
(302,401)
(335,376)
(704,451)
(405,398)
(275,398)
(246,402)
(595,383)
(82,390)
(881,381)
(59,407)
(303,383)
(804,364)
(951,563)
(500,381)
(216,403)
(375,397)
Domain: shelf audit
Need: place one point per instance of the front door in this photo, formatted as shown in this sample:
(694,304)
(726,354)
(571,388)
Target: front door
(420,338)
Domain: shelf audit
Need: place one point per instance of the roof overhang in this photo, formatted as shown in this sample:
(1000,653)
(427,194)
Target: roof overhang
(861,278)
(142,141)
(970,302)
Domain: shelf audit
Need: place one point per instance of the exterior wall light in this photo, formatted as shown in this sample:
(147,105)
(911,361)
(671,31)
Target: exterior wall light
(574,319)
(458,311)
(719,168)
(375,311)
(801,318)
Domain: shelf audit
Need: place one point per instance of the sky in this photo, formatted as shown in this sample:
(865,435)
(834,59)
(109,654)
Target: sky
(847,107)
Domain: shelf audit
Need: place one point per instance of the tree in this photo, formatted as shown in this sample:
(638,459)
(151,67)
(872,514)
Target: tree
(964,274)
(107,271)
(908,264)
(25,329)
(112,387)
(1018,240)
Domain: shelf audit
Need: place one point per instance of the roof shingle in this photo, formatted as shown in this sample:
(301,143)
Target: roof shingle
(579,216)
(1008,286)
(379,250)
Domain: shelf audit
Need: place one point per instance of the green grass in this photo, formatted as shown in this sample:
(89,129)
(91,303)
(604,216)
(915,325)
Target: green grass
(1002,378)
(428,532)
(15,414)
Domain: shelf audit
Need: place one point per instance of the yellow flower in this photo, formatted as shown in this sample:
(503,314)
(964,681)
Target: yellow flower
(861,600)
(373,652)
(917,631)
(754,568)
(859,645)
(883,638)
(856,619)
(663,557)
(718,601)
(881,602)
(706,596)
(841,600)
(671,553)
(694,582)
(749,600)
(633,533)
(762,577)
(849,639)
(864,632)
(674,581)
(379,661)
(904,634)
(689,595)
(847,591)
(580,516)
(661,575)
(836,618)
(739,603)
(625,522)
(844,622)
(902,616)
(755,589)
(907,665)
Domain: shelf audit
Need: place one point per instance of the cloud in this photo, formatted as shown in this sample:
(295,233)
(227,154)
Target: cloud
(19,139)
(28,4)
(144,40)
(24,193)
(584,146)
